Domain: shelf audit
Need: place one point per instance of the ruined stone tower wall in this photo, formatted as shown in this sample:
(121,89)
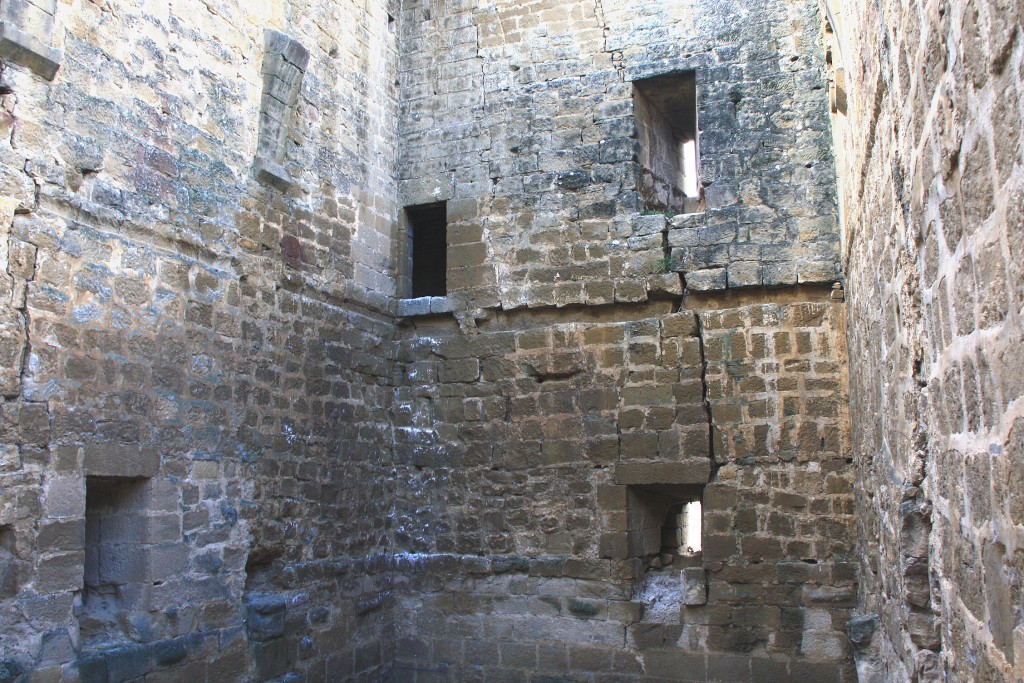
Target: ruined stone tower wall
(194,361)
(235,447)
(605,358)
(522,116)
(933,199)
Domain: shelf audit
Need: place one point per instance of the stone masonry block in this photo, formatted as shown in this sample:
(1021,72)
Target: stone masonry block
(466,255)
(707,280)
(666,285)
(782,273)
(465,370)
(291,50)
(694,587)
(272,173)
(612,497)
(744,274)
(631,290)
(271,659)
(12,352)
(683,324)
(59,573)
(675,666)
(695,471)
(614,545)
(120,460)
(427,190)
(265,616)
(61,535)
(652,224)
(64,496)
(410,307)
(28,50)
(817,271)
(21,259)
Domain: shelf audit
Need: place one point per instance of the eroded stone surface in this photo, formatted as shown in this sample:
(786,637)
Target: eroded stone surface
(932,177)
(230,451)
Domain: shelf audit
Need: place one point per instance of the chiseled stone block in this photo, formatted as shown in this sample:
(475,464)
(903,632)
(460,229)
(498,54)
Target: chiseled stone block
(694,587)
(25,31)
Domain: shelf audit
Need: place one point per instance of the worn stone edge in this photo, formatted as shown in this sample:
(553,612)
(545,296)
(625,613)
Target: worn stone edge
(29,51)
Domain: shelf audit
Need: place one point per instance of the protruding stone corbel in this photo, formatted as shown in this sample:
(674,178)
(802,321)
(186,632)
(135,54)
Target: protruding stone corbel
(284,65)
(26,28)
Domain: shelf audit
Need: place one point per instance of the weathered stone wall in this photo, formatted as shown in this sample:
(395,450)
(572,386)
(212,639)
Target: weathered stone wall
(523,441)
(214,347)
(225,458)
(581,379)
(933,198)
(521,113)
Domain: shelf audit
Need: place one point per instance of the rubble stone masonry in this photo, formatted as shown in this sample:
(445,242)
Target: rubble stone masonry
(626,443)
(932,194)
(194,346)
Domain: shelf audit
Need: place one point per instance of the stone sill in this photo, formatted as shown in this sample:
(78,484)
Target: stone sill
(425,305)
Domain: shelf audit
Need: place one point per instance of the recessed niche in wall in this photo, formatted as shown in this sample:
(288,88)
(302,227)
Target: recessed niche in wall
(665,108)
(117,556)
(665,524)
(665,534)
(427,250)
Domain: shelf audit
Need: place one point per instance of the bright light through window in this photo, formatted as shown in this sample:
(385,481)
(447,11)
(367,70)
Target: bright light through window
(690,169)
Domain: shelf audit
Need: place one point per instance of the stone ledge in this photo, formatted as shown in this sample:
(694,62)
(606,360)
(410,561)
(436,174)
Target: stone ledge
(26,50)
(425,305)
(272,173)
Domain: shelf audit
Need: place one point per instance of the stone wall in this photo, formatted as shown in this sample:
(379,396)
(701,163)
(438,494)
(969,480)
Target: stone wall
(230,451)
(584,386)
(521,115)
(933,197)
(525,444)
(193,360)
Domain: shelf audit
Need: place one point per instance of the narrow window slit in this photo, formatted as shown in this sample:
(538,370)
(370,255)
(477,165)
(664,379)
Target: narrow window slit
(427,259)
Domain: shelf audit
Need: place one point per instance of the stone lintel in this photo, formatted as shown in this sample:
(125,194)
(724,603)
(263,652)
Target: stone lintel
(117,460)
(440,188)
(693,471)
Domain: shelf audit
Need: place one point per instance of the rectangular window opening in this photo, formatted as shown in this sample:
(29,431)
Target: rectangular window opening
(665,525)
(427,259)
(665,108)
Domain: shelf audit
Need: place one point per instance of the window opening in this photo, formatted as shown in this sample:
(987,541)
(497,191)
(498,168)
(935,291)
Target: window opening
(665,525)
(665,108)
(664,522)
(428,249)
(681,533)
